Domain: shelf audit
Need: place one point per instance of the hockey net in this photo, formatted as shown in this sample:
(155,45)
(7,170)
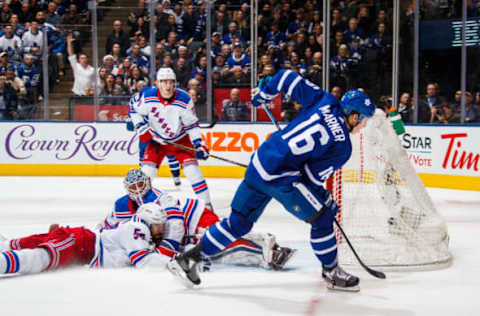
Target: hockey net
(383,206)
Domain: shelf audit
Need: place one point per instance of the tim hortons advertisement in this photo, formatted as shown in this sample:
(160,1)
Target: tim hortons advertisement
(453,150)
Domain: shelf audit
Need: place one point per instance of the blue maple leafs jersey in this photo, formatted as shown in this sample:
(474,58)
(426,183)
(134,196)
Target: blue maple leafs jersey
(312,146)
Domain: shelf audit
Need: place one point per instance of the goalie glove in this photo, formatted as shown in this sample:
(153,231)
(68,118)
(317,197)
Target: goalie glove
(201,149)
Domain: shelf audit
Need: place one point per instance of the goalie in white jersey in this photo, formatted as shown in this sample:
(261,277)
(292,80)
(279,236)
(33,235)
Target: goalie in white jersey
(127,245)
(166,114)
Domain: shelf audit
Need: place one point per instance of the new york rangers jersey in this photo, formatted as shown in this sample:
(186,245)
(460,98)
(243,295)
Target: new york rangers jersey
(168,119)
(312,146)
(182,217)
(129,244)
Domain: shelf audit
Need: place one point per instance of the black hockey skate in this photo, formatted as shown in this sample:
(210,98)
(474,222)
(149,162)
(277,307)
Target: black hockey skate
(280,257)
(186,266)
(337,279)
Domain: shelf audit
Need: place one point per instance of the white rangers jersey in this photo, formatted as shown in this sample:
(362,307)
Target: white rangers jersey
(130,244)
(166,119)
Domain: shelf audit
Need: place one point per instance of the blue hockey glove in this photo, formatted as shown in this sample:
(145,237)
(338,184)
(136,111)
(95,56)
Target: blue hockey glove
(257,99)
(201,149)
(330,206)
(129,123)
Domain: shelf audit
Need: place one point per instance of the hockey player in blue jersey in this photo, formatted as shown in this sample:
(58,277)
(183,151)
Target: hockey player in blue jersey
(291,167)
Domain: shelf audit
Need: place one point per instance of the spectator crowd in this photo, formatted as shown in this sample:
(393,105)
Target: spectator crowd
(290,35)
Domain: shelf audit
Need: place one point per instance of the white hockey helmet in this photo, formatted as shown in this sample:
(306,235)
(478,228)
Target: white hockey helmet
(166,73)
(137,184)
(152,213)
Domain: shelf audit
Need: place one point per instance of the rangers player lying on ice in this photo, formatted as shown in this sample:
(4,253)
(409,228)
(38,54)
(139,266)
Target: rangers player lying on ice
(291,167)
(162,114)
(189,218)
(126,245)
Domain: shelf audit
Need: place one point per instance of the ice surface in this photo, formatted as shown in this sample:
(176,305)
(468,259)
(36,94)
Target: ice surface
(30,204)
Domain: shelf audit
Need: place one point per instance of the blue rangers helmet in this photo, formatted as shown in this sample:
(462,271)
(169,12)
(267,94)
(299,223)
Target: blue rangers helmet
(356,100)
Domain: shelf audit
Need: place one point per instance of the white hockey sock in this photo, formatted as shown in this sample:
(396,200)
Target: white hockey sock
(24,261)
(150,170)
(199,185)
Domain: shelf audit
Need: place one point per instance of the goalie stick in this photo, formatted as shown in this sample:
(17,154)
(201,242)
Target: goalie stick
(375,273)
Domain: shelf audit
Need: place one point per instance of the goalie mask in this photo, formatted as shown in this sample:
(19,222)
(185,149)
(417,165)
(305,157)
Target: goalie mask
(137,185)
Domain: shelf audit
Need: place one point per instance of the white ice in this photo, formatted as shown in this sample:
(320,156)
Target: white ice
(30,204)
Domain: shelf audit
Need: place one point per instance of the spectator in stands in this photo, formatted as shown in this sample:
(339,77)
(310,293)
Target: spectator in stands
(337,92)
(238,58)
(5,13)
(26,15)
(276,56)
(172,44)
(108,64)
(299,25)
(315,40)
(4,63)
(8,100)
(340,67)
(76,19)
(118,36)
(30,75)
(300,44)
(405,109)
(235,110)
(83,73)
(221,66)
(275,36)
(431,100)
(33,41)
(382,17)
(12,45)
(159,54)
(165,29)
(232,34)
(189,23)
(167,60)
(337,42)
(145,48)
(290,110)
(161,17)
(314,72)
(17,84)
(337,22)
(294,62)
(117,54)
(444,114)
(138,59)
(137,75)
(52,17)
(266,75)
(363,18)
(220,23)
(182,72)
(18,29)
(58,50)
(353,31)
(139,28)
(238,78)
(472,111)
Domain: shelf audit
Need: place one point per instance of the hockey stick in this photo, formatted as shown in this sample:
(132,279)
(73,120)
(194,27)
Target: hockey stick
(212,124)
(375,273)
(210,155)
(270,115)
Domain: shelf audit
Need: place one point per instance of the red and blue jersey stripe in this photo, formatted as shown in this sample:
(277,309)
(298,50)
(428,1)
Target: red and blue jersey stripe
(12,260)
(188,210)
(199,187)
(138,255)
(174,213)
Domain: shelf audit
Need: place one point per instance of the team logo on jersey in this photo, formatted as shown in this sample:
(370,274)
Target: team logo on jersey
(367,102)
(296,208)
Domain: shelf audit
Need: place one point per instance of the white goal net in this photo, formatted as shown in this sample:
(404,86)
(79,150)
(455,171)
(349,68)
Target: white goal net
(383,206)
